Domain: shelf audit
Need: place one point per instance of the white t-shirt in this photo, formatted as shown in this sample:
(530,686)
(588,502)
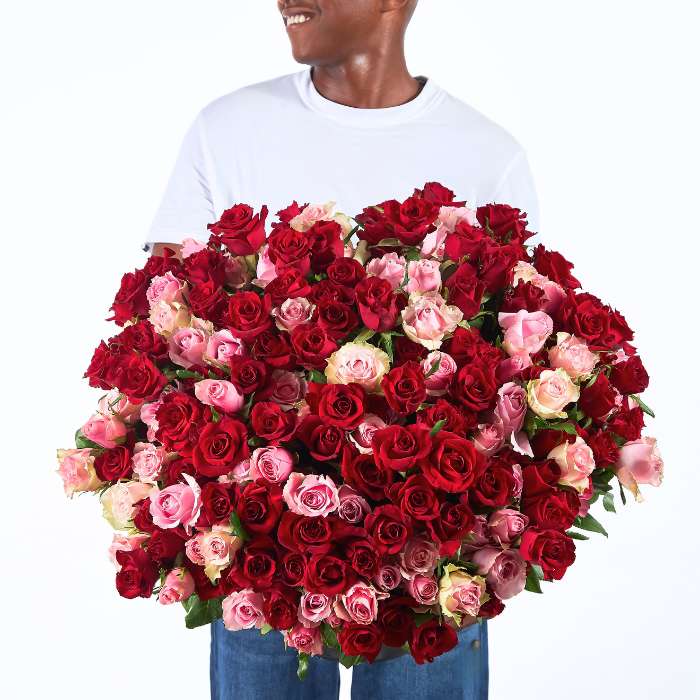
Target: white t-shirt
(281,140)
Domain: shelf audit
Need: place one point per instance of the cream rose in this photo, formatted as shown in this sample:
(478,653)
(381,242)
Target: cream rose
(550,393)
(358,363)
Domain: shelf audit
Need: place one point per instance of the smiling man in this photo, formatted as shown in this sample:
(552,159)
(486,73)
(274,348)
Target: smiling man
(356,127)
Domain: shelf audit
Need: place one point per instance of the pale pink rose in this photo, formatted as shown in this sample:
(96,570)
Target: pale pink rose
(352,507)
(148,416)
(217,546)
(419,556)
(490,437)
(190,246)
(306,640)
(222,346)
(423,589)
(274,464)
(576,462)
(292,313)
(287,388)
(236,271)
(438,382)
(124,543)
(572,355)
(243,610)
(389,577)
(505,570)
(310,494)
(186,346)
(312,214)
(219,394)
(193,550)
(511,407)
(178,586)
(423,276)
(479,534)
(460,593)
(116,404)
(148,461)
(106,431)
(640,463)
(357,363)
(314,608)
(118,502)
(265,271)
(525,331)
(362,436)
(166,288)
(506,525)
(390,267)
(508,368)
(241,472)
(359,602)
(175,505)
(434,243)
(77,470)
(550,393)
(428,318)
(167,318)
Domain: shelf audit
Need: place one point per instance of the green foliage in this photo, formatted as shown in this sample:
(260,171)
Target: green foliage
(81,442)
(589,523)
(303,667)
(534,576)
(317,376)
(437,427)
(201,612)
(237,527)
(643,406)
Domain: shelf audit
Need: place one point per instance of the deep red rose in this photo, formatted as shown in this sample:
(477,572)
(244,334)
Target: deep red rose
(326,244)
(336,317)
(292,568)
(326,574)
(303,534)
(456,421)
(361,640)
(342,405)
(288,213)
(241,231)
(475,386)
(401,448)
(494,486)
(203,587)
(220,447)
(274,350)
(247,375)
(137,377)
(140,336)
(435,193)
(248,315)
(524,295)
(389,528)
(598,399)
(280,607)
(539,478)
(451,526)
(113,464)
(130,301)
(404,387)
(164,545)
(206,265)
(208,300)
(324,442)
(465,290)
(178,419)
(465,240)
(347,272)
(453,463)
(378,304)
(555,509)
(430,640)
(289,284)
(466,346)
(217,502)
(416,497)
(363,557)
(138,574)
(554,551)
(289,248)
(158,265)
(260,506)
(104,359)
(396,620)
(627,422)
(504,222)
(362,472)
(271,423)
(405,350)
(312,345)
(605,449)
(143,520)
(554,266)
(325,290)
(257,565)
(174,469)
(493,607)
(409,221)
(495,264)
(544,441)
(588,318)
(629,376)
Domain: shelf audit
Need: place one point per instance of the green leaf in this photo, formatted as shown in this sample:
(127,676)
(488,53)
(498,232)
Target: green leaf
(330,639)
(81,442)
(437,427)
(347,238)
(609,503)
(201,612)
(589,523)
(186,374)
(215,415)
(565,427)
(537,569)
(349,661)
(433,368)
(317,376)
(576,535)
(388,345)
(532,582)
(303,667)
(364,335)
(237,527)
(623,498)
(643,406)
(265,629)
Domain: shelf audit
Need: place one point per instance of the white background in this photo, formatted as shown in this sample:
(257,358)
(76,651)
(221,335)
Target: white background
(96,97)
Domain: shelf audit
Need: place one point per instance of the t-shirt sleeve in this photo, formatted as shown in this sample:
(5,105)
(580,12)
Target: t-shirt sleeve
(517,188)
(187,205)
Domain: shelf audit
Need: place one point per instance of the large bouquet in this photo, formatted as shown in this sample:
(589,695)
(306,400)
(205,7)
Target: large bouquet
(359,443)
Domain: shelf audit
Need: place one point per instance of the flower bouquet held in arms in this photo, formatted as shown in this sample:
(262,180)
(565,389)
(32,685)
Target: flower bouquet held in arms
(362,433)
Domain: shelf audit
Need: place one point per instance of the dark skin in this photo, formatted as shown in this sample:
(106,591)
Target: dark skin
(356,51)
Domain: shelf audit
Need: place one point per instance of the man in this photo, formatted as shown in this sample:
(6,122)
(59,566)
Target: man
(356,128)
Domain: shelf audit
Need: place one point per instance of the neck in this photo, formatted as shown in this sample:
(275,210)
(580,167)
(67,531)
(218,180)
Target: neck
(369,80)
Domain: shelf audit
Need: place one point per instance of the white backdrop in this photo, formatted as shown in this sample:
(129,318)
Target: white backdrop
(97,96)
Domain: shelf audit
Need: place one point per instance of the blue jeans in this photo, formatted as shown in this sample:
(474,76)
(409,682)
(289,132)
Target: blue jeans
(248,666)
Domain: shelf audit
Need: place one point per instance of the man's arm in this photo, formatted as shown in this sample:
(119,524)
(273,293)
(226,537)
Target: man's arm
(159,249)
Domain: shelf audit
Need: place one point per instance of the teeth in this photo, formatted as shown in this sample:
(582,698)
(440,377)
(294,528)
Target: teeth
(297,19)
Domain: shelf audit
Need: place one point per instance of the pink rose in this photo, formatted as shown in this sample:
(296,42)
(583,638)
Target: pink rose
(175,505)
(193,550)
(166,288)
(186,346)
(506,525)
(554,294)
(106,431)
(424,276)
(77,470)
(449,217)
(265,271)
(389,267)
(518,476)
(148,416)
(274,464)
(639,463)
(511,366)
(460,593)
(525,331)
(311,214)
(419,556)
(222,346)
(306,640)
(362,436)
(241,472)
(428,318)
(511,407)
(314,608)
(550,393)
(287,388)
(573,356)
(178,586)
(310,495)
(148,461)
(576,462)
(119,500)
(190,246)
(505,570)
(216,547)
(358,363)
(243,610)
(116,404)
(438,379)
(167,318)
(389,577)
(352,507)
(219,394)
(423,589)
(293,313)
(237,274)
(358,604)
(490,437)
(124,543)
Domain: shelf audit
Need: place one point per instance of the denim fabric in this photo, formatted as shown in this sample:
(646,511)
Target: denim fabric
(248,666)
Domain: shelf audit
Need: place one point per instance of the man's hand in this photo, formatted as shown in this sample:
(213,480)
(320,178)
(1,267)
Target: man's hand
(159,249)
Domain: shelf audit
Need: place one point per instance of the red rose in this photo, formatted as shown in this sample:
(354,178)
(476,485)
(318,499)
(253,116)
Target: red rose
(396,620)
(598,399)
(208,300)
(325,290)
(466,240)
(248,315)
(326,243)
(540,478)
(555,509)
(292,568)
(416,498)
(525,296)
(605,449)
(475,386)
(554,266)
(113,464)
(430,640)
(138,574)
(455,420)
(164,545)
(361,640)
(140,336)
(241,231)
(451,526)
(629,376)
(257,565)
(378,304)
(217,502)
(260,506)
(158,265)
(326,574)
(220,447)
(405,350)
(274,350)
(495,264)
(338,318)
(362,472)
(130,301)
(453,463)
(289,284)
(544,441)
(409,221)
(206,265)
(627,421)
(467,346)
(465,289)
(494,486)
(143,520)
(100,372)
(438,194)
(503,222)
(363,557)
(280,607)
(347,272)
(289,248)
(137,377)
(247,375)
(554,551)
(493,607)
(323,441)
(203,587)
(288,213)
(401,448)
(271,423)
(312,345)
(303,534)
(341,405)
(585,316)
(389,528)
(404,387)
(178,419)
